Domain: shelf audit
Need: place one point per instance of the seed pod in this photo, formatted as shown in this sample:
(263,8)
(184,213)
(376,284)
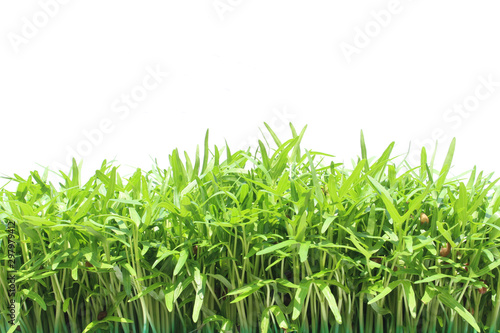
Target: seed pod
(445,251)
(102,315)
(424,219)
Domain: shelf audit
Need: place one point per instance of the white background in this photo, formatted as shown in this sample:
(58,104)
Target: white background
(394,69)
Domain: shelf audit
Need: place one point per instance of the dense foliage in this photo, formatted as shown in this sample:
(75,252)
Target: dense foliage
(250,241)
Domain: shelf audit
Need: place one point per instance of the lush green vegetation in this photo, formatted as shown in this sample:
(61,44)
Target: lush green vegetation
(247,241)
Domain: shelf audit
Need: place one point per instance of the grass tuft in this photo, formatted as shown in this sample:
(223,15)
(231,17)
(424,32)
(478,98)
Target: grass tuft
(275,240)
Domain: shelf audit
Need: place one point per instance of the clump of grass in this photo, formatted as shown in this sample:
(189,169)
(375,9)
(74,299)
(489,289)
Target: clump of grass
(248,242)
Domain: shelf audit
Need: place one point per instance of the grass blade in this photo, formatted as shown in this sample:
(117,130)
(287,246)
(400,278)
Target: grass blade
(446,166)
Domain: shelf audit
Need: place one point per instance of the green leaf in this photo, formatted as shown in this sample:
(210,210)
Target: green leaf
(280,317)
(327,223)
(317,188)
(74,268)
(264,321)
(299,299)
(446,234)
(408,243)
(372,222)
(433,278)
(38,221)
(446,166)
(66,304)
(146,291)
(429,294)
(363,152)
(479,200)
(353,178)
(248,290)
(461,203)
(387,199)
(199,281)
(423,163)
(84,209)
(205,154)
(296,148)
(488,268)
(410,298)
(182,260)
(332,303)
(278,246)
(450,302)
(301,228)
(286,283)
(129,268)
(273,135)
(359,245)
(34,296)
(117,320)
(169,297)
(377,169)
(226,324)
(127,283)
(378,309)
(97,323)
(416,203)
(386,291)
(303,250)
(332,189)
(265,158)
(135,217)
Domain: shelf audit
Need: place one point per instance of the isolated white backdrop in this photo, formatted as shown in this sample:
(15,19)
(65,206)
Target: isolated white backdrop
(132,80)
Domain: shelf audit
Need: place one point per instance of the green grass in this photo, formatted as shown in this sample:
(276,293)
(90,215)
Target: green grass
(248,241)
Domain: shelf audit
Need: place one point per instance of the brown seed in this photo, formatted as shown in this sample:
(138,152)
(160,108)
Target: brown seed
(471,310)
(445,251)
(87,264)
(483,290)
(465,266)
(423,218)
(102,315)
(377,260)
